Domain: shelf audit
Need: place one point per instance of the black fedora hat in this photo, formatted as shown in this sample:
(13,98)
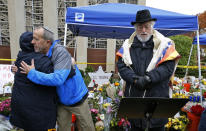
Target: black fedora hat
(143,16)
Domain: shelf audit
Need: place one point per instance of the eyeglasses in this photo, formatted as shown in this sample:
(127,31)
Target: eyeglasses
(146,26)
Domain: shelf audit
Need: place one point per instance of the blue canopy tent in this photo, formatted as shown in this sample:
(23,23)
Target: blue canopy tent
(113,20)
(202,39)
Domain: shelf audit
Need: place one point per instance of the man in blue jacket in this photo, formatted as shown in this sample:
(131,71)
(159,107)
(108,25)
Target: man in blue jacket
(72,95)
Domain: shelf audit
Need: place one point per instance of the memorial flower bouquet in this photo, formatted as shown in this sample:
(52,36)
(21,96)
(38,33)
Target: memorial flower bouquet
(119,124)
(194,115)
(5,107)
(104,101)
(177,124)
(100,106)
(197,110)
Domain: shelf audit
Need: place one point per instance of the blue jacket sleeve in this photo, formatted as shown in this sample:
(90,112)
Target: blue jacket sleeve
(61,60)
(53,79)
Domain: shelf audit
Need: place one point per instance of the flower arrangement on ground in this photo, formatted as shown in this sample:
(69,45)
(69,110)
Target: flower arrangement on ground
(5,108)
(197,109)
(177,124)
(104,101)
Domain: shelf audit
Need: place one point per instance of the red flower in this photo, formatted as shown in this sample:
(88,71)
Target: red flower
(204,95)
(187,86)
(197,110)
(123,123)
(120,122)
(98,118)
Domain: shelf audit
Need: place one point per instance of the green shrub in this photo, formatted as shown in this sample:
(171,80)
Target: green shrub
(183,45)
(87,80)
(82,73)
(85,75)
(89,69)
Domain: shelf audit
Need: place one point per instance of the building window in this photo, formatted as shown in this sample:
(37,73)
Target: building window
(97,43)
(94,2)
(4,23)
(34,14)
(129,1)
(119,43)
(70,38)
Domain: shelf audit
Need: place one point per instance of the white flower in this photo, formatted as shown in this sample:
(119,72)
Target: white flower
(102,117)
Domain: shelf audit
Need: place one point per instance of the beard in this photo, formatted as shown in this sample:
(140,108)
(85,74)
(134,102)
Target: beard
(144,37)
(37,49)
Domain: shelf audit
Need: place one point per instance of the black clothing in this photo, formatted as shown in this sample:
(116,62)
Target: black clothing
(141,55)
(33,106)
(150,129)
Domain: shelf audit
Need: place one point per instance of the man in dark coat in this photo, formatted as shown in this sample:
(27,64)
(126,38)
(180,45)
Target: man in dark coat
(33,106)
(146,62)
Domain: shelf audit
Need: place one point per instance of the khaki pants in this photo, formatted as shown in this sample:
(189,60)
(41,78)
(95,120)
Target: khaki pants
(82,113)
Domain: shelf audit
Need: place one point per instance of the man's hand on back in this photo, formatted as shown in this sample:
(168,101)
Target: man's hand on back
(25,68)
(14,69)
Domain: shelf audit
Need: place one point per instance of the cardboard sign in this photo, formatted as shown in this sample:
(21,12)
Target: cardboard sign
(100,77)
(6,77)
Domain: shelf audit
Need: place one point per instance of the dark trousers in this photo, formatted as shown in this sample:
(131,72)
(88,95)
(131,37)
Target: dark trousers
(150,129)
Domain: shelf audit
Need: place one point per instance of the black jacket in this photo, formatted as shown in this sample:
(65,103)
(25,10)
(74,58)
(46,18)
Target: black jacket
(33,106)
(141,56)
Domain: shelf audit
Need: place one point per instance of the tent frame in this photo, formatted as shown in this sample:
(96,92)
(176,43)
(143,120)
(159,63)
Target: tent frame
(198,49)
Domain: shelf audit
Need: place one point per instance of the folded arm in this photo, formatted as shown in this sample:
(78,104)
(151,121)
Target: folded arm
(126,72)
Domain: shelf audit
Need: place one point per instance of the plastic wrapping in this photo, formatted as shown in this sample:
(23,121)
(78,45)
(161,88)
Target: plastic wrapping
(5,125)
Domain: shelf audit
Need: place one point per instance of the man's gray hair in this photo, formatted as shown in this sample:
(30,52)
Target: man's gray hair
(47,34)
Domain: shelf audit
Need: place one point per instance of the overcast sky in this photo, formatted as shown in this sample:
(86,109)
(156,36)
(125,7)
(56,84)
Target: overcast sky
(190,7)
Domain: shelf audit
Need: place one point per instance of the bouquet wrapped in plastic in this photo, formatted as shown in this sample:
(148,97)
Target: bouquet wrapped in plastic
(194,117)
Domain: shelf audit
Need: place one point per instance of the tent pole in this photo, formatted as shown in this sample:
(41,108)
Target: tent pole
(188,62)
(65,26)
(75,48)
(198,52)
(199,66)
(65,34)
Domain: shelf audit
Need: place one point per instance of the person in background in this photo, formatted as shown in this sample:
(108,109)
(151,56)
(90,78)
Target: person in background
(72,92)
(33,106)
(146,62)
(202,126)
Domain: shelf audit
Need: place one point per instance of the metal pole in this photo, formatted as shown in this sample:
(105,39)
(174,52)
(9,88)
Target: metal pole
(65,27)
(199,66)
(65,34)
(188,62)
(0,36)
(75,48)
(32,14)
